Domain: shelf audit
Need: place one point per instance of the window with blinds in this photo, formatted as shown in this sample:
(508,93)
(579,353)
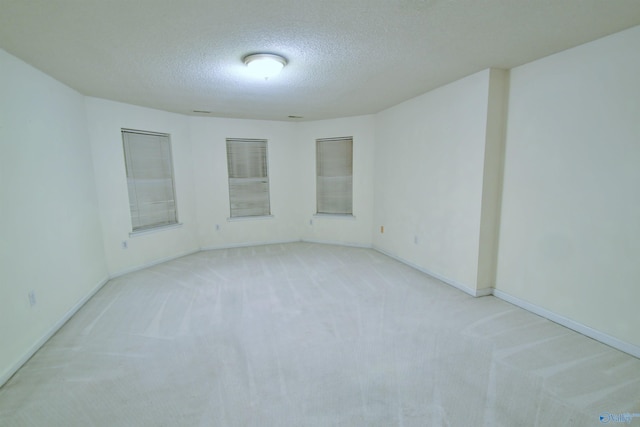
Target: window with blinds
(149,179)
(248,177)
(334,175)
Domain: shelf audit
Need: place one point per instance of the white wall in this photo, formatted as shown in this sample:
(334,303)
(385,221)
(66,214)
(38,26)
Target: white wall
(199,155)
(105,121)
(570,220)
(291,155)
(429,179)
(51,241)
(355,230)
(492,179)
(200,169)
(212,184)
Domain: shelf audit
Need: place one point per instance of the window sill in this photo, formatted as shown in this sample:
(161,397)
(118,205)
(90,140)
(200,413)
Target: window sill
(250,218)
(334,216)
(154,230)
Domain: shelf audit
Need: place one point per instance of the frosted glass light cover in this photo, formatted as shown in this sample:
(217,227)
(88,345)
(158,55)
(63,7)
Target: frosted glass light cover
(265,65)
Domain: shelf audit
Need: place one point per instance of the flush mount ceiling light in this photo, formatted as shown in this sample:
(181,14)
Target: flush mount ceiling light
(265,64)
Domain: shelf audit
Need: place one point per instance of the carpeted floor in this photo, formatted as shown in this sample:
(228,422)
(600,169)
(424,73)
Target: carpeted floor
(312,335)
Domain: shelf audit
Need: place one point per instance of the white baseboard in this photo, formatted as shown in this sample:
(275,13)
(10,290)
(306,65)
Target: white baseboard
(464,288)
(484,292)
(246,245)
(282,242)
(51,332)
(614,342)
(152,263)
(602,337)
(333,242)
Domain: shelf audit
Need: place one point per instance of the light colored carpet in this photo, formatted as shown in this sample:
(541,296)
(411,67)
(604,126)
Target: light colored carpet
(311,335)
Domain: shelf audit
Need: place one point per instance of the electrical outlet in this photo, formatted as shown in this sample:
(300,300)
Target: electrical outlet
(381,229)
(124,244)
(32,298)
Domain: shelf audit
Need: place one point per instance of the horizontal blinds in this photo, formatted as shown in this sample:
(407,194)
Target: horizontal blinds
(149,179)
(248,177)
(334,177)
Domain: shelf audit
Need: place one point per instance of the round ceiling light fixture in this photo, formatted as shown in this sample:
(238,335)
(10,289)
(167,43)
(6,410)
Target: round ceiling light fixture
(265,64)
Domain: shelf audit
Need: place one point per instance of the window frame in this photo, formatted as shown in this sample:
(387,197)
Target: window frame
(129,160)
(321,198)
(236,182)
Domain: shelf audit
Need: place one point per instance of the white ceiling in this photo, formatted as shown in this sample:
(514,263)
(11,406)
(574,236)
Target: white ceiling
(346,57)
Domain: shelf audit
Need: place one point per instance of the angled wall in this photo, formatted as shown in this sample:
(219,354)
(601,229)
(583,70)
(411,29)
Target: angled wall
(211,185)
(431,189)
(350,230)
(105,121)
(51,240)
(202,191)
(492,172)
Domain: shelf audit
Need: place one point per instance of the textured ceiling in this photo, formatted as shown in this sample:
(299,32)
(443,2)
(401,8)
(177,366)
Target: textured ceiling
(346,57)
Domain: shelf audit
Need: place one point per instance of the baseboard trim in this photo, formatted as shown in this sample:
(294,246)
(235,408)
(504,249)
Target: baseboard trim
(51,332)
(485,292)
(585,330)
(333,242)
(609,340)
(464,288)
(246,245)
(151,264)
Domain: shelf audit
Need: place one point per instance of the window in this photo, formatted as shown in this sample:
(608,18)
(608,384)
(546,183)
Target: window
(248,177)
(334,175)
(147,159)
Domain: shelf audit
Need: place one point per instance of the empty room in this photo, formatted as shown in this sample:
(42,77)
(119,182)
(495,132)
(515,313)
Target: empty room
(306,213)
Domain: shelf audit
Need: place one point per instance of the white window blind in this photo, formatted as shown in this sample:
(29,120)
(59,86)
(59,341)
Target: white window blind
(334,175)
(149,179)
(248,177)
